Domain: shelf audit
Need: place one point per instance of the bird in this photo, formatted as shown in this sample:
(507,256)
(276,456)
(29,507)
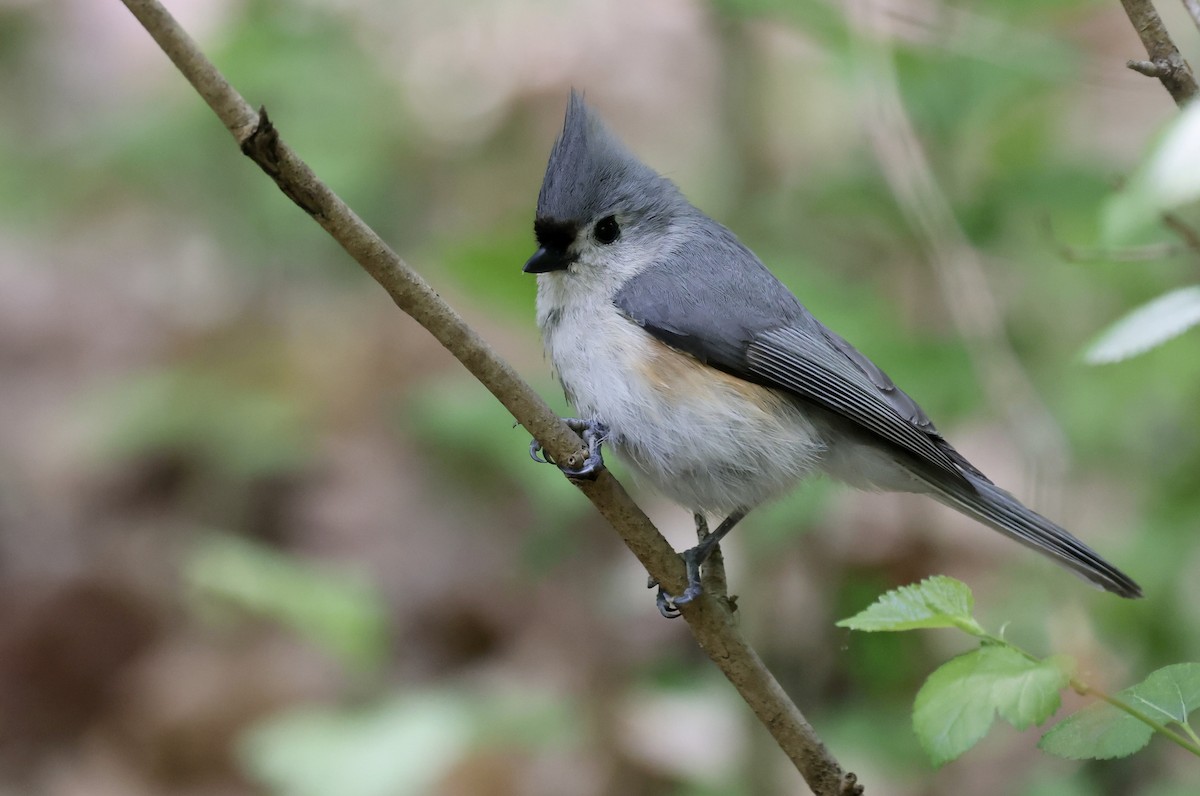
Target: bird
(683,353)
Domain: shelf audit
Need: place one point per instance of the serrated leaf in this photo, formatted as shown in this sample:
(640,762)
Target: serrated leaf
(1098,732)
(958,703)
(1168,694)
(939,601)
(1029,697)
(1150,325)
(1101,731)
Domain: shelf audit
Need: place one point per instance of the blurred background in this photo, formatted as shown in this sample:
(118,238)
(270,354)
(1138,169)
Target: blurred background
(260,534)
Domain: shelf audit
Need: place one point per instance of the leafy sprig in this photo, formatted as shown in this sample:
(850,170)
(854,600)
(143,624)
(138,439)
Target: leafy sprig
(960,700)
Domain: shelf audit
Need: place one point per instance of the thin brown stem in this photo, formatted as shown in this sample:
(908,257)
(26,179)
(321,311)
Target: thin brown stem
(709,619)
(1189,236)
(1125,254)
(1165,62)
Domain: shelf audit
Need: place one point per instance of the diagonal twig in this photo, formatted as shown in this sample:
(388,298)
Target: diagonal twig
(709,620)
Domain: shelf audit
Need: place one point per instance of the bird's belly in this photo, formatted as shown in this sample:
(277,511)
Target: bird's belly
(708,440)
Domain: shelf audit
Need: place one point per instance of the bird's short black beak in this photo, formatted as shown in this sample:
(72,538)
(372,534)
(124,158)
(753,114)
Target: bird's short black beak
(544,260)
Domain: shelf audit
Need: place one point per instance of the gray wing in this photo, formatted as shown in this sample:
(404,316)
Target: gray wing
(717,302)
(809,364)
(720,304)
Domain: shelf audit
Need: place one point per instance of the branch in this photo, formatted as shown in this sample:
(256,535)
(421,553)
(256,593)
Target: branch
(710,621)
(1125,254)
(1165,61)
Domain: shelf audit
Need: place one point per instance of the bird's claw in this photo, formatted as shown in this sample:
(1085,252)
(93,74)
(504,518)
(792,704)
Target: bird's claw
(593,433)
(668,605)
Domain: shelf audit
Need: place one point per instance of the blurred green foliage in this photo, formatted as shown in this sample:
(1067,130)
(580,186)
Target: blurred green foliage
(342,613)
(241,431)
(295,371)
(399,744)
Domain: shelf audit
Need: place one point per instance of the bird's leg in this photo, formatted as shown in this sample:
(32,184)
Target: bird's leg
(665,603)
(693,559)
(593,433)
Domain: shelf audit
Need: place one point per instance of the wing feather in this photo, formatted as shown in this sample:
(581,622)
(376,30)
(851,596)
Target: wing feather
(801,361)
(716,301)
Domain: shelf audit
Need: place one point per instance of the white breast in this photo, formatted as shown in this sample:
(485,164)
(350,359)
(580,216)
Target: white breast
(708,440)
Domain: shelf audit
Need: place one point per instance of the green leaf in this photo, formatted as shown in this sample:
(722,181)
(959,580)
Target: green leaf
(1028,697)
(1101,731)
(1168,694)
(1098,732)
(1150,325)
(939,601)
(958,703)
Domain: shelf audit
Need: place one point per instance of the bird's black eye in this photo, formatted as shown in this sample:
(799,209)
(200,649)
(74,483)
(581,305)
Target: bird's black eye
(606,230)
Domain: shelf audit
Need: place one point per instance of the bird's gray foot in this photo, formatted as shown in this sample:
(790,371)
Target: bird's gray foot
(666,605)
(593,433)
(693,560)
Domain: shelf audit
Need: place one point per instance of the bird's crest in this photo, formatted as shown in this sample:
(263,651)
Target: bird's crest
(591,172)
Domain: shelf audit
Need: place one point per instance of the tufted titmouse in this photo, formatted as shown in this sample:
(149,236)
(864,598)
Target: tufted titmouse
(685,354)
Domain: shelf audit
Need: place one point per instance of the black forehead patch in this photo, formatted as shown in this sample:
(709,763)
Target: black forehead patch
(554,234)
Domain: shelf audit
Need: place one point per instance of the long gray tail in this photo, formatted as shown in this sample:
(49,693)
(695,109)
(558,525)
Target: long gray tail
(993,506)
